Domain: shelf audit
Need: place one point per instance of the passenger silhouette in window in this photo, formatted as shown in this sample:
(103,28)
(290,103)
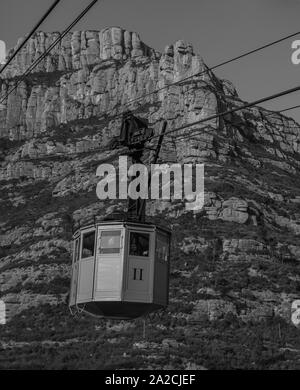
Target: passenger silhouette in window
(139,244)
(88,245)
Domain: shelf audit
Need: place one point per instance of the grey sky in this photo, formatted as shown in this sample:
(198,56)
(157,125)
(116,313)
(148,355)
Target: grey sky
(218,30)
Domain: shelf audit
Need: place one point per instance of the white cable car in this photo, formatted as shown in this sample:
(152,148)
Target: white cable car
(120,269)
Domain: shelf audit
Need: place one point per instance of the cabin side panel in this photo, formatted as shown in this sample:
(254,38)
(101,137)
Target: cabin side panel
(161,269)
(108,279)
(86,266)
(139,266)
(161,279)
(85,286)
(75,268)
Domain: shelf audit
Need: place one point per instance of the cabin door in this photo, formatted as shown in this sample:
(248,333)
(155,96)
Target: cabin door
(109,264)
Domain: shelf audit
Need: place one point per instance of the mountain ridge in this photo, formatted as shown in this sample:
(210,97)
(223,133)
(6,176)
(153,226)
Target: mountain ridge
(235,265)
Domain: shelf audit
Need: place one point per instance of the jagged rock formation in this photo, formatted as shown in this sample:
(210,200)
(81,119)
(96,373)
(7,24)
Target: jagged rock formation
(239,258)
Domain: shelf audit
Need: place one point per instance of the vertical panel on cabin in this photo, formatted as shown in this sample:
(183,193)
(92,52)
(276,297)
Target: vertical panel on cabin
(86,274)
(138,286)
(109,264)
(86,266)
(161,269)
(74,276)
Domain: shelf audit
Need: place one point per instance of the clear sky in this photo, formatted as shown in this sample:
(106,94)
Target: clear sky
(218,30)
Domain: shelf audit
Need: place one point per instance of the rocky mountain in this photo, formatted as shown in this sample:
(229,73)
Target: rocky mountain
(235,267)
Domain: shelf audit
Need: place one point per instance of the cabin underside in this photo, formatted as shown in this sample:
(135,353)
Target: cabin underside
(117,310)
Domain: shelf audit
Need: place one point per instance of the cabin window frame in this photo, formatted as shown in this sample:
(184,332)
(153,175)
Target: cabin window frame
(138,231)
(168,241)
(84,232)
(110,229)
(76,239)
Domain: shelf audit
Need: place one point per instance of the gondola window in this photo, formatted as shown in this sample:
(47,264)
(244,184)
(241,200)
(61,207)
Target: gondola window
(88,245)
(139,244)
(110,242)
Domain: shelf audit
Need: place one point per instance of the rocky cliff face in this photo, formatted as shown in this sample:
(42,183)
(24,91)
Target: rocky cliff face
(236,264)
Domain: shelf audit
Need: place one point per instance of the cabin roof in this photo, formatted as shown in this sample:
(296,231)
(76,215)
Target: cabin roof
(123,223)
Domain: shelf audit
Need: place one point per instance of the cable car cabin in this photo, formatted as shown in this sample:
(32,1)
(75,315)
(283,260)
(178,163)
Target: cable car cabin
(120,270)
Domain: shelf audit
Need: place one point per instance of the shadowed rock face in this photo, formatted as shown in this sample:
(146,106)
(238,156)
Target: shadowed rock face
(240,255)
